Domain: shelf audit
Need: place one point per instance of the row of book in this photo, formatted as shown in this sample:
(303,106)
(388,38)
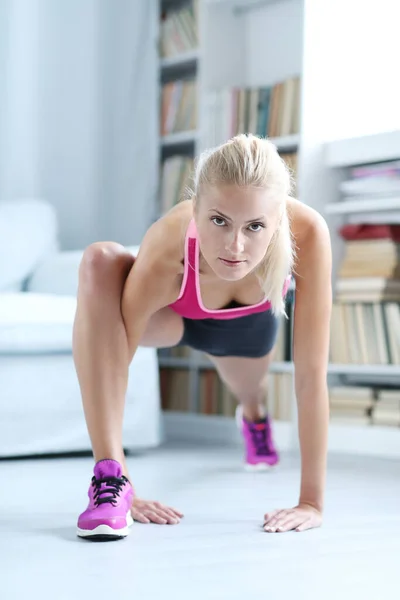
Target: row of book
(177,175)
(214,398)
(178,111)
(365,333)
(179,30)
(352,405)
(266,112)
(175,180)
(269,111)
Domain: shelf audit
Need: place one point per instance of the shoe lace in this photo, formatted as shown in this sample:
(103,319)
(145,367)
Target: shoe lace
(113,488)
(260,439)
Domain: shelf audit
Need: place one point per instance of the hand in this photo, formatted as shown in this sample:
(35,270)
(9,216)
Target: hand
(301,517)
(147,511)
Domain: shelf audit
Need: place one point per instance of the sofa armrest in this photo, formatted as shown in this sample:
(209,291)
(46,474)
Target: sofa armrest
(58,274)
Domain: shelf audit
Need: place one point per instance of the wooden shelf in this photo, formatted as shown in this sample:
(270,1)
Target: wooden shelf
(180,138)
(287,143)
(369,370)
(180,61)
(243,6)
(365,149)
(288,367)
(187,363)
(363,205)
(172,362)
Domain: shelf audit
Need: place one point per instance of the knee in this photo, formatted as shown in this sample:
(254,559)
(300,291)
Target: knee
(102,261)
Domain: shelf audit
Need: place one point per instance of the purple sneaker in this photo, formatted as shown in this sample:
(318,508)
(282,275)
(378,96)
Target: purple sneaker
(108,515)
(260,450)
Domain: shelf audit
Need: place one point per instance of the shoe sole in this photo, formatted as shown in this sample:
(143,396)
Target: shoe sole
(260,467)
(103,533)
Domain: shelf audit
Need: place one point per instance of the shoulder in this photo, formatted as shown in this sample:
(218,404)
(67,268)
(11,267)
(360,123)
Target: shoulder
(312,242)
(306,223)
(163,245)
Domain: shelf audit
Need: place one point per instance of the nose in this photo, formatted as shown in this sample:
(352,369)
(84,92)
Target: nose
(235,243)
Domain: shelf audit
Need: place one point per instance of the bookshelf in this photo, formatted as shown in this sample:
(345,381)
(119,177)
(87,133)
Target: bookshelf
(253,44)
(212,57)
(371,313)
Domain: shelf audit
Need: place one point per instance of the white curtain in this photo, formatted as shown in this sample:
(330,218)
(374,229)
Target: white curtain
(79,113)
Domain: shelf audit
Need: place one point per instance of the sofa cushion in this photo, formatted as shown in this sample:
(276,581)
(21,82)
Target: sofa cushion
(28,232)
(59,273)
(32,323)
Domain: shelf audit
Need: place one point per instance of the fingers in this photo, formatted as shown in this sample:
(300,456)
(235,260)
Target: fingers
(271,514)
(155,512)
(288,522)
(137,516)
(156,517)
(273,518)
(168,516)
(282,526)
(172,512)
(306,525)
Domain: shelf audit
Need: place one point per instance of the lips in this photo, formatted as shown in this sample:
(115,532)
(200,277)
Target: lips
(231,262)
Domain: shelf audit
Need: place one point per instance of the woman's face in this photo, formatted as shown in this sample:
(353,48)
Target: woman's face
(235,226)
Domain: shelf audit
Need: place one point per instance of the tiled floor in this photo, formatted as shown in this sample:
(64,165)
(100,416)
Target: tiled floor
(219,550)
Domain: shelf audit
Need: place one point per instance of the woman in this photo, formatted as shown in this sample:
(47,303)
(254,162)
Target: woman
(211,274)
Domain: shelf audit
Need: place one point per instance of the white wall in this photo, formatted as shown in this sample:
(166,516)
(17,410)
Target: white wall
(18,98)
(350,88)
(274,41)
(78,113)
(69,111)
(352,54)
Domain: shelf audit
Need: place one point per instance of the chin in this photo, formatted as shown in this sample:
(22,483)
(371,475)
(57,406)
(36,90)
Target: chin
(231,273)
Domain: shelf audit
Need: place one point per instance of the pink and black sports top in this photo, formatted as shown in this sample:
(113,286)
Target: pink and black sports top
(189,303)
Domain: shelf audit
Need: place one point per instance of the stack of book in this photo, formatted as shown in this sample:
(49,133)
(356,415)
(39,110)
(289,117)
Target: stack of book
(355,405)
(365,325)
(372,185)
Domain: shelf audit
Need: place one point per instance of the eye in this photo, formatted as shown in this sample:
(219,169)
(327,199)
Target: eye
(258,225)
(214,219)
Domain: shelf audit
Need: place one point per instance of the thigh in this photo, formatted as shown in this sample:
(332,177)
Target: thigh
(243,376)
(164,329)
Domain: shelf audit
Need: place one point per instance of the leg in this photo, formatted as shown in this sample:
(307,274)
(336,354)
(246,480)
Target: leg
(100,346)
(246,378)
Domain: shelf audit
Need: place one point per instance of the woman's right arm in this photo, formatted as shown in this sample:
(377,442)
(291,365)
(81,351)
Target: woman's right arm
(153,281)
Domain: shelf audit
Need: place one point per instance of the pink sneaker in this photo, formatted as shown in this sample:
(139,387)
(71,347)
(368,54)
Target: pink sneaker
(108,515)
(260,450)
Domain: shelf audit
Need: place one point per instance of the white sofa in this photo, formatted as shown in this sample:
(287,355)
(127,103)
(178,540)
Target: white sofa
(40,404)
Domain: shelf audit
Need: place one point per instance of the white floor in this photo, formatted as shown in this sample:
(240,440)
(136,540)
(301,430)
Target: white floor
(219,550)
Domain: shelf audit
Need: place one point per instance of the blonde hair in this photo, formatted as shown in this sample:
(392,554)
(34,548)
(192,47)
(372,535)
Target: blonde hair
(248,160)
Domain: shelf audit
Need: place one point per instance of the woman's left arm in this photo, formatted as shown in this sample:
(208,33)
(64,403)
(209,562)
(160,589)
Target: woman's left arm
(312,313)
